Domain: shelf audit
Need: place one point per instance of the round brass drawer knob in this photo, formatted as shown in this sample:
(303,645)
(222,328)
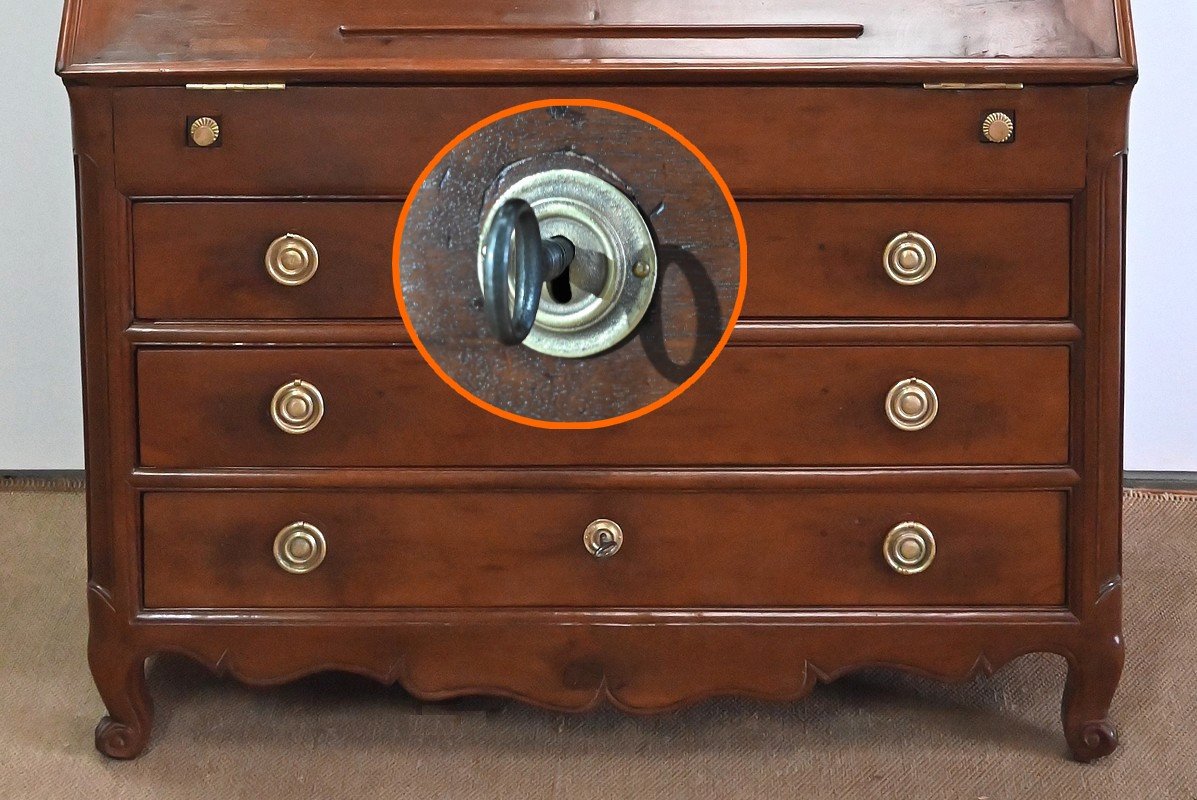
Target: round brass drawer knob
(299,547)
(909,258)
(292,260)
(909,548)
(603,538)
(204,132)
(911,405)
(998,128)
(297,407)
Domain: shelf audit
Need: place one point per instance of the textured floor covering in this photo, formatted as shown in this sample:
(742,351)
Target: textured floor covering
(876,734)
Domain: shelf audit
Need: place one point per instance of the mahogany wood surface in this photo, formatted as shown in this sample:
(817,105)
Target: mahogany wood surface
(207,260)
(204,260)
(765,141)
(827,137)
(687,550)
(994,260)
(798,406)
(614,479)
(748,332)
(161,40)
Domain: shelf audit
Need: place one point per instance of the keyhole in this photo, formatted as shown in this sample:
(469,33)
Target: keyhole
(560,289)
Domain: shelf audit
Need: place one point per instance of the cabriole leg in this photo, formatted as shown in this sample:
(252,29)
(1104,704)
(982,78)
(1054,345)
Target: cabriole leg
(1088,692)
(120,677)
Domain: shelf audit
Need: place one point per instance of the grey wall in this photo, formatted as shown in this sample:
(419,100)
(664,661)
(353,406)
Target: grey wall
(40,424)
(1161,282)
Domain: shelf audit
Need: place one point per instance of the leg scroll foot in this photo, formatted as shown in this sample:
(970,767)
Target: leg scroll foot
(119,740)
(1088,692)
(123,733)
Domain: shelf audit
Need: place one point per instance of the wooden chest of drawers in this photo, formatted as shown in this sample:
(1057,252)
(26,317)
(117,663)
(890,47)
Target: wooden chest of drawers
(778,526)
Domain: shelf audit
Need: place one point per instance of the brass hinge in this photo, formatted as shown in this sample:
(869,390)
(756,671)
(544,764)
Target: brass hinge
(971,86)
(237,87)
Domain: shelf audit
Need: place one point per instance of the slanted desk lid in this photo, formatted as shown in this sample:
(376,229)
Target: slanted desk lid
(168,41)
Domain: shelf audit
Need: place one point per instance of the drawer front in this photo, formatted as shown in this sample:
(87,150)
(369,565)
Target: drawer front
(206,260)
(525,549)
(764,140)
(794,405)
(991,260)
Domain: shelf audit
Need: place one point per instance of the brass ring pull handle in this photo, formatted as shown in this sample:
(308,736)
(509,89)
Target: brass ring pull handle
(909,548)
(291,260)
(299,548)
(912,404)
(909,258)
(513,246)
(297,407)
(603,538)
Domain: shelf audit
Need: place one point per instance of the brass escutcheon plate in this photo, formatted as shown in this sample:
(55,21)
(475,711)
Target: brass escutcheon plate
(608,231)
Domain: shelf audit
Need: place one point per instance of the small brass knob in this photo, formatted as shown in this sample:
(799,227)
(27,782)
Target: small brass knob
(998,128)
(603,538)
(909,258)
(909,548)
(299,547)
(911,405)
(292,260)
(297,407)
(204,132)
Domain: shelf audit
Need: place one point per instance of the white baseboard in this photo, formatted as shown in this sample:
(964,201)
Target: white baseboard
(43,480)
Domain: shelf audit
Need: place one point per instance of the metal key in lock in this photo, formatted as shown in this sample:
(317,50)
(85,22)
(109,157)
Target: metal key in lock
(514,240)
(603,538)
(565,223)
(533,227)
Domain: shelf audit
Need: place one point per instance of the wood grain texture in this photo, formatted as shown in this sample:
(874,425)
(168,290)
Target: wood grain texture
(639,662)
(746,332)
(994,260)
(756,406)
(765,141)
(840,136)
(206,260)
(203,260)
(578,40)
(688,550)
(612,479)
(1095,586)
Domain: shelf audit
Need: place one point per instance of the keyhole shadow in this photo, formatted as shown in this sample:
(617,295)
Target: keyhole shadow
(708,316)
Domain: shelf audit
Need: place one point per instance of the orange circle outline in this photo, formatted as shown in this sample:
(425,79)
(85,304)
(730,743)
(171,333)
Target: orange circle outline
(591,424)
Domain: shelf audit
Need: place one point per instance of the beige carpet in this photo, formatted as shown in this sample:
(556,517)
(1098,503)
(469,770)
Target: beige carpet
(873,735)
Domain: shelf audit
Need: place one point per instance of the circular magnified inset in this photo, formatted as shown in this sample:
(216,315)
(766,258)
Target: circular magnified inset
(570,264)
